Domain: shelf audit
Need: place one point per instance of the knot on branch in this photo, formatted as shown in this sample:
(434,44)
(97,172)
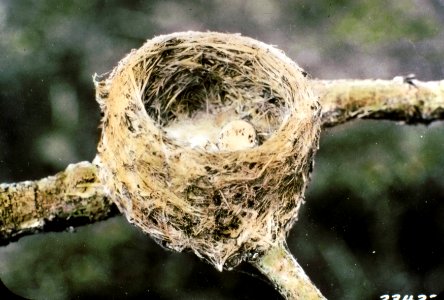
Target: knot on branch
(207,142)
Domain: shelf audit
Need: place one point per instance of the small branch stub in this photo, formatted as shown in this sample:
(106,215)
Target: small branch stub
(287,275)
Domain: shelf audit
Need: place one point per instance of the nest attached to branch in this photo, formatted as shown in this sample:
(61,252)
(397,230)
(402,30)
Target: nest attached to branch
(207,143)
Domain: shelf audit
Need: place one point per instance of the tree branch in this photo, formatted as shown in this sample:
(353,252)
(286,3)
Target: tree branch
(287,275)
(75,196)
(71,198)
(401,99)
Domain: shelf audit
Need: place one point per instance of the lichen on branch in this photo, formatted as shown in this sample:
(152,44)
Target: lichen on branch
(402,99)
(68,199)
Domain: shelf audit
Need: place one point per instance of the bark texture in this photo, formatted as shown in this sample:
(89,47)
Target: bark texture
(68,199)
(401,99)
(279,265)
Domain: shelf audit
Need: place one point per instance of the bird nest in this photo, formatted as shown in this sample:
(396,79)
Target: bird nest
(207,142)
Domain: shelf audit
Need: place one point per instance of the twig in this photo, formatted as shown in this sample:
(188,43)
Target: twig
(280,267)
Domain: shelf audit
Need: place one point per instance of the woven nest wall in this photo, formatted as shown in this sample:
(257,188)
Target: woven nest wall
(207,143)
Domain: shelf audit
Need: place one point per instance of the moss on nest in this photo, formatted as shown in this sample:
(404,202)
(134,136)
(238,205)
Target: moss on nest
(224,205)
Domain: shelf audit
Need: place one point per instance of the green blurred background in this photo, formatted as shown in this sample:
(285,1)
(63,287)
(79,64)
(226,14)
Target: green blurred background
(373,221)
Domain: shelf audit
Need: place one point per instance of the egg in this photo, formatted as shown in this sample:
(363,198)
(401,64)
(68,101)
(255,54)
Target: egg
(237,135)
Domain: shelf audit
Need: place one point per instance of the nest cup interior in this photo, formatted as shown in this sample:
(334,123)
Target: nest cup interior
(193,88)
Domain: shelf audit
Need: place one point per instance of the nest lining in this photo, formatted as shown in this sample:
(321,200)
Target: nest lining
(168,108)
(195,89)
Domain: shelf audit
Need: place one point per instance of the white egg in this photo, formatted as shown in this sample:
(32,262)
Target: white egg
(237,135)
